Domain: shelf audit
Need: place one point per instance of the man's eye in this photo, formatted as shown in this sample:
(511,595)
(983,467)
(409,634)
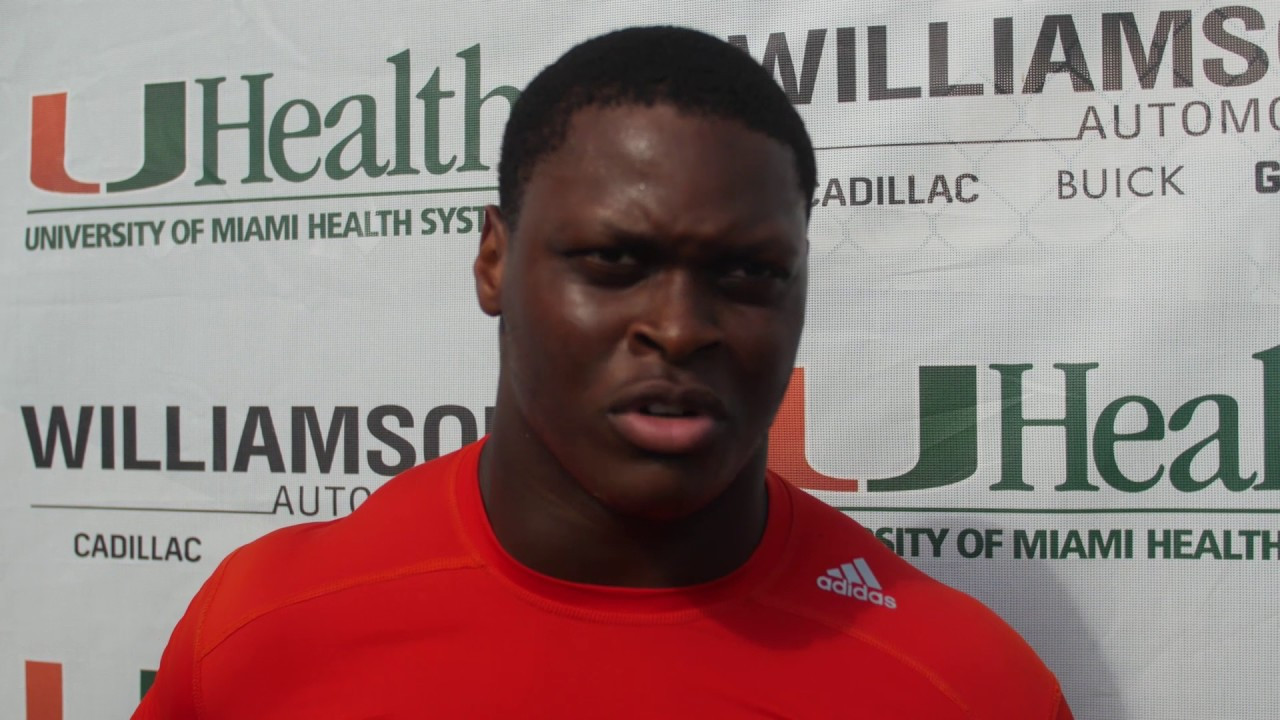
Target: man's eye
(753,282)
(609,266)
(753,271)
(611,256)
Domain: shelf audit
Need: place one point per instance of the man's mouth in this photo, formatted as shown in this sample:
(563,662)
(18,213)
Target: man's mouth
(668,420)
(666,410)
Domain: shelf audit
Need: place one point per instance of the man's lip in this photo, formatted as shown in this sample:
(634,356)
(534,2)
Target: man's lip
(703,412)
(664,435)
(691,399)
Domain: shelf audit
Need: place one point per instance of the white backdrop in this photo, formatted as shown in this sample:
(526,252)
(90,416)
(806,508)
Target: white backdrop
(1052,211)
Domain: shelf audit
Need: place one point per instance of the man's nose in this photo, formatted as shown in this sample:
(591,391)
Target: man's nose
(678,317)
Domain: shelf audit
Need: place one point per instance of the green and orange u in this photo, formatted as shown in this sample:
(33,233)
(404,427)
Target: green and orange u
(164,142)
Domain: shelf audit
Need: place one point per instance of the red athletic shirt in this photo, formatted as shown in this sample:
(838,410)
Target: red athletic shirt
(409,608)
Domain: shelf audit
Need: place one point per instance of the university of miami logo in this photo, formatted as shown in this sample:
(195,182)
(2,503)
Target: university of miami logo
(44,689)
(164,112)
(948,435)
(271,131)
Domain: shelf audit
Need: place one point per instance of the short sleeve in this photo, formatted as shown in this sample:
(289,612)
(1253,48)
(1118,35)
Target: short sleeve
(173,694)
(1064,712)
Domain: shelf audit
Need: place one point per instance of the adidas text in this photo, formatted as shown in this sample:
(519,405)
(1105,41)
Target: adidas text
(855,579)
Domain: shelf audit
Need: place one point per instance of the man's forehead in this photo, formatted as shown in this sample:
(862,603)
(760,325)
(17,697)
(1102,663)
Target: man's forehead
(664,142)
(627,114)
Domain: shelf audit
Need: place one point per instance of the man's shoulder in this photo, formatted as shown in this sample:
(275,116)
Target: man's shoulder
(406,527)
(839,574)
(843,575)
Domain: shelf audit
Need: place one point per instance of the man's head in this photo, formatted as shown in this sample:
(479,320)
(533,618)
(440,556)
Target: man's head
(653,289)
(694,72)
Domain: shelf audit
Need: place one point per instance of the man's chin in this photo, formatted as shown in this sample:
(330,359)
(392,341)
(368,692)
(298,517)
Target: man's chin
(660,495)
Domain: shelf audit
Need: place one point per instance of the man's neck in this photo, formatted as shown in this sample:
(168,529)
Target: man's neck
(545,520)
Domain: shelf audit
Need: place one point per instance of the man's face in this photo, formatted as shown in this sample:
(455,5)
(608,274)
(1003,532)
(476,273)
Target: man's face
(652,297)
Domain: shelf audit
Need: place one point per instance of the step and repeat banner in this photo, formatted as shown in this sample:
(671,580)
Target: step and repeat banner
(1042,359)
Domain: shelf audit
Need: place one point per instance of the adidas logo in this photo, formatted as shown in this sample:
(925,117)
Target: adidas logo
(855,579)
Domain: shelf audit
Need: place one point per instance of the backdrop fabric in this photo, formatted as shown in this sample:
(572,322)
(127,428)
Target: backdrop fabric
(1041,359)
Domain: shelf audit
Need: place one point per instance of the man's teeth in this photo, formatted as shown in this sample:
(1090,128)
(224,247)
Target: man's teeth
(665,410)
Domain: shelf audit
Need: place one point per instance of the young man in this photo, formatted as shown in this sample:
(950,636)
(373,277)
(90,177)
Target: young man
(616,547)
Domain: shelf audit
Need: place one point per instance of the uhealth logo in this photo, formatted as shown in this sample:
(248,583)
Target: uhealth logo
(272,151)
(949,425)
(44,689)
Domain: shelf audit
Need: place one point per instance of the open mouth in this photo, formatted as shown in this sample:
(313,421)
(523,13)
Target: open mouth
(667,420)
(667,410)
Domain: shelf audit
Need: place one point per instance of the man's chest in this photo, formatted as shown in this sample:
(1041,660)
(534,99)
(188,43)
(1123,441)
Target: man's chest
(414,652)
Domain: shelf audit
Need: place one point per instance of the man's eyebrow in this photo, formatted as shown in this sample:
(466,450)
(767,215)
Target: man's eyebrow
(620,236)
(767,240)
(626,236)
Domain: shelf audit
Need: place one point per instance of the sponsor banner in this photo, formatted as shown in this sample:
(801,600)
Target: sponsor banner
(235,286)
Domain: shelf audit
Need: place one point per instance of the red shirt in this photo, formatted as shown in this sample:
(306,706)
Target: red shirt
(409,608)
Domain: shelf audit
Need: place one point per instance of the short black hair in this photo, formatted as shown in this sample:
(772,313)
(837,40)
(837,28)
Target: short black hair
(690,70)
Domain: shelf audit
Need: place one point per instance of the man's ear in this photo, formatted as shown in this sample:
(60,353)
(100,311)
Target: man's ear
(490,261)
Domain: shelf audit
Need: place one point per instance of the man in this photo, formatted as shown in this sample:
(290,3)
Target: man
(616,547)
